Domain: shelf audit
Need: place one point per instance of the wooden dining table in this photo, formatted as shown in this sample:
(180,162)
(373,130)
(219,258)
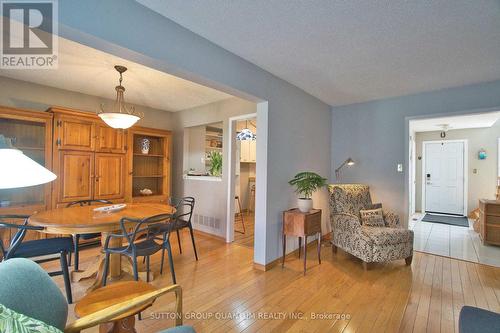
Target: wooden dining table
(84,220)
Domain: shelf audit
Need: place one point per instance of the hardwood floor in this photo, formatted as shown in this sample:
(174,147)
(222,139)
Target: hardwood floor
(247,238)
(425,297)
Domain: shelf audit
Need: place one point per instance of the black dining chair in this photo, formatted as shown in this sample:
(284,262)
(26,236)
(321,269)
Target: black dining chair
(183,215)
(77,237)
(143,247)
(37,248)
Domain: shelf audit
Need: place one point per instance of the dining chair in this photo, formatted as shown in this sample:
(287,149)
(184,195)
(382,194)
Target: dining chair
(32,301)
(144,247)
(183,215)
(77,237)
(37,248)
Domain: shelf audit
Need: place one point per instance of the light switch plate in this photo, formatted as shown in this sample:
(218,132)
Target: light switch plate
(400,167)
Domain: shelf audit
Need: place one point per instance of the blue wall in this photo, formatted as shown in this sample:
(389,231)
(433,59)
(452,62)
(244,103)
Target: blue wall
(373,134)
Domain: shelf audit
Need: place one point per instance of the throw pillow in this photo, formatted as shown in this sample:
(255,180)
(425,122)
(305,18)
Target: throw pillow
(372,217)
(11,321)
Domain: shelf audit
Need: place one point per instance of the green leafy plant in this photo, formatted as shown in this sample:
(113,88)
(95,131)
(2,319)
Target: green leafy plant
(215,158)
(306,183)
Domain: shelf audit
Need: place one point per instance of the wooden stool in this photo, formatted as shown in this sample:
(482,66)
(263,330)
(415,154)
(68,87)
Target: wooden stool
(239,215)
(112,294)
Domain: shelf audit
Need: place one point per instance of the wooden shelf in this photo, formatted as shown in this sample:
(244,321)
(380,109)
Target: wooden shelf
(216,148)
(151,176)
(148,155)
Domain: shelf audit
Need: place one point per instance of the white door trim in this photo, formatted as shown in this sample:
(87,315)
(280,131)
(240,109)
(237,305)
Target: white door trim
(466,171)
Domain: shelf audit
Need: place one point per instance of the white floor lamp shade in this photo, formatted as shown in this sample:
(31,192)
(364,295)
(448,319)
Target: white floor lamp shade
(18,170)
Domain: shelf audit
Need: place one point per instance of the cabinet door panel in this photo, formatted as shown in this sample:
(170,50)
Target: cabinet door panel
(76,174)
(244,151)
(110,140)
(110,176)
(253,151)
(75,134)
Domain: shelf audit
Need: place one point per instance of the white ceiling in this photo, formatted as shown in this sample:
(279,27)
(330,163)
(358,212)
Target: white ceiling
(89,71)
(456,122)
(345,52)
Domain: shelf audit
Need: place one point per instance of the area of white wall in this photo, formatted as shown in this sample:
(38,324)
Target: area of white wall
(376,135)
(482,185)
(32,96)
(299,124)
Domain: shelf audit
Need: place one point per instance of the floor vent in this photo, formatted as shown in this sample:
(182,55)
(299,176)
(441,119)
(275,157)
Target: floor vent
(207,221)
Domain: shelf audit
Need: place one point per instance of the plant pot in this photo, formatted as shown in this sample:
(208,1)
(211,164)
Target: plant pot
(305,204)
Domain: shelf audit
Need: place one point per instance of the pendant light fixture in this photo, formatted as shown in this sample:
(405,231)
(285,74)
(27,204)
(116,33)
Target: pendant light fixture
(246,134)
(18,170)
(120,116)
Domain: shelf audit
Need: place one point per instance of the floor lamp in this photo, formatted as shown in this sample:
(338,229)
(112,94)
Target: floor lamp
(348,162)
(18,170)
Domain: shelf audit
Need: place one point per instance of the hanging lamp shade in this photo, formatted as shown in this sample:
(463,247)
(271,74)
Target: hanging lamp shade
(246,134)
(18,170)
(120,116)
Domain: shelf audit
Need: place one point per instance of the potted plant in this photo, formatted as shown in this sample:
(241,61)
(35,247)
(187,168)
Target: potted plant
(215,158)
(306,183)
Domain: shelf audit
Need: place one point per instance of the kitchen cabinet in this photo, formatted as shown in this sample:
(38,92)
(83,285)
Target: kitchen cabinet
(248,151)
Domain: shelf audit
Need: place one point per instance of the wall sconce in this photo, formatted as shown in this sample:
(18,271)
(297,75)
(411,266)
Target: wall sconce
(348,162)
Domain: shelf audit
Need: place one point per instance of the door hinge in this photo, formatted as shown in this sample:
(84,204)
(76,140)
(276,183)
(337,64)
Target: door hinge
(58,142)
(59,123)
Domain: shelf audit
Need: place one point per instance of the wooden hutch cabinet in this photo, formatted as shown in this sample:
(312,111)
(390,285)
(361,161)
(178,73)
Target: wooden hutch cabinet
(151,170)
(89,158)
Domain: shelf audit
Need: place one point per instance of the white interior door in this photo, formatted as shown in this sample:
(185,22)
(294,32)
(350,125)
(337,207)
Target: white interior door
(444,177)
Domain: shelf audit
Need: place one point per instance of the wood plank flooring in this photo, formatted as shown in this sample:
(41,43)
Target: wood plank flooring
(223,293)
(245,239)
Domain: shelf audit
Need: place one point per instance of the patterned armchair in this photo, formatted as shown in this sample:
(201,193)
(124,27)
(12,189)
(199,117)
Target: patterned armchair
(370,244)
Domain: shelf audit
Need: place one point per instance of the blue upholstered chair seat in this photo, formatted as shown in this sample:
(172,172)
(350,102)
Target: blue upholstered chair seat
(41,247)
(476,320)
(89,236)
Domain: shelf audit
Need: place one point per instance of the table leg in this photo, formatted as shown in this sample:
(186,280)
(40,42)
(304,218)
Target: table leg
(284,251)
(319,247)
(115,270)
(305,253)
(300,245)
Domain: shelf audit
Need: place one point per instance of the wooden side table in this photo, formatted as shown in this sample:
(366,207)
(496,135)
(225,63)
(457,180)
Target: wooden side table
(296,223)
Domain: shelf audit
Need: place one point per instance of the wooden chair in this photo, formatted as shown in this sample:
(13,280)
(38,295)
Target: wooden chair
(29,290)
(37,248)
(77,237)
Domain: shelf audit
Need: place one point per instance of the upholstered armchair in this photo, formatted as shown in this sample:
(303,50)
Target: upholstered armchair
(368,243)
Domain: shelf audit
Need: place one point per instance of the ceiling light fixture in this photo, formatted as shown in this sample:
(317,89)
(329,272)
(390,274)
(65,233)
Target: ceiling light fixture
(120,116)
(445,128)
(246,134)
